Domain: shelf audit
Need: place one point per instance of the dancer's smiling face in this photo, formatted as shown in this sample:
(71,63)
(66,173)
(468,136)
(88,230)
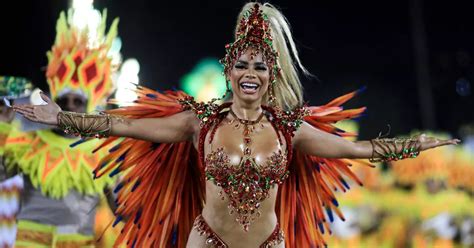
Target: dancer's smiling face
(249,77)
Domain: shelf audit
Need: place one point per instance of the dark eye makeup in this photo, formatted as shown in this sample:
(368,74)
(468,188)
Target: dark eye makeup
(258,66)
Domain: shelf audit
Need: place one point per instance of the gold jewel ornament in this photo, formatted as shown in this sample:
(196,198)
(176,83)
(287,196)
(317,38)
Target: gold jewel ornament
(393,149)
(85,125)
(246,185)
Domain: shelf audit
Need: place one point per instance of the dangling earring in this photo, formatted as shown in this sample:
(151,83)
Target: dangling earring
(271,95)
(227,89)
(271,86)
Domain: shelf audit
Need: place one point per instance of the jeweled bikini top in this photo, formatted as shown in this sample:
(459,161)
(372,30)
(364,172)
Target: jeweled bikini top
(246,185)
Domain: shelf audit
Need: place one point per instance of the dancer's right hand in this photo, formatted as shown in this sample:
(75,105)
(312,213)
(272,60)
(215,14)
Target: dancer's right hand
(47,114)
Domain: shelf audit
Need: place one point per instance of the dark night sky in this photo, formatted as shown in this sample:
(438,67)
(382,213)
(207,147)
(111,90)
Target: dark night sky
(347,45)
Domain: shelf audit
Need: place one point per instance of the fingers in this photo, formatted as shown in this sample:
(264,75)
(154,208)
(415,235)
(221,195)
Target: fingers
(446,142)
(27,112)
(24,109)
(451,142)
(30,117)
(427,142)
(23,106)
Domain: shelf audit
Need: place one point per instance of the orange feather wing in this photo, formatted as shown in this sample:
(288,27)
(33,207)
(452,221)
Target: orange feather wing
(162,189)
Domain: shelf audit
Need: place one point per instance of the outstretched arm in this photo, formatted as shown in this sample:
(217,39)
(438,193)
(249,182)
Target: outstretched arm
(170,129)
(315,142)
(175,128)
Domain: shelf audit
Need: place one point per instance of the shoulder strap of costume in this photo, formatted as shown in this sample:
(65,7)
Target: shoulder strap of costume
(306,201)
(291,120)
(204,111)
(162,188)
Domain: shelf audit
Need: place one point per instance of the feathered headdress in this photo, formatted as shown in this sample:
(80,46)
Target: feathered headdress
(75,64)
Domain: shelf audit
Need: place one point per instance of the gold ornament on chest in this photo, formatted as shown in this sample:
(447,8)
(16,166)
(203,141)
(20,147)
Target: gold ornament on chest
(248,184)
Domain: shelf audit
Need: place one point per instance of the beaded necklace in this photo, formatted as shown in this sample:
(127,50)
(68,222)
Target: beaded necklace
(249,127)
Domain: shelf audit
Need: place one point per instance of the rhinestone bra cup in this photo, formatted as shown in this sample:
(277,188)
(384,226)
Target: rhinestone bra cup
(247,184)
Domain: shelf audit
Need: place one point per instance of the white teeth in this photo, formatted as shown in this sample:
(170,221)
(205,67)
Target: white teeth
(248,85)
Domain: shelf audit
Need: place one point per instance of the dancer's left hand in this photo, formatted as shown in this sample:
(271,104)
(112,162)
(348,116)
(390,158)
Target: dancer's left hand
(427,142)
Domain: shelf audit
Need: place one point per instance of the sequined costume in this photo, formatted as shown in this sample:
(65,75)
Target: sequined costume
(213,240)
(162,192)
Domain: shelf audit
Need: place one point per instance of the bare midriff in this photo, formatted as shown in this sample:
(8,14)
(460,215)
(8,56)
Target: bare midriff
(216,214)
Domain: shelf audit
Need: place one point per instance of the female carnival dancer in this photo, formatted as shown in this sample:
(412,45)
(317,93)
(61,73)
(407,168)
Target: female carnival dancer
(256,171)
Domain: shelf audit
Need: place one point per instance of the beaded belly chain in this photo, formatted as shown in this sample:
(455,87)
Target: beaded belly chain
(248,184)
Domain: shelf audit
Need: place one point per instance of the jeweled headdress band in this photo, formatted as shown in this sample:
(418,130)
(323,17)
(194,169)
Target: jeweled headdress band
(253,31)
